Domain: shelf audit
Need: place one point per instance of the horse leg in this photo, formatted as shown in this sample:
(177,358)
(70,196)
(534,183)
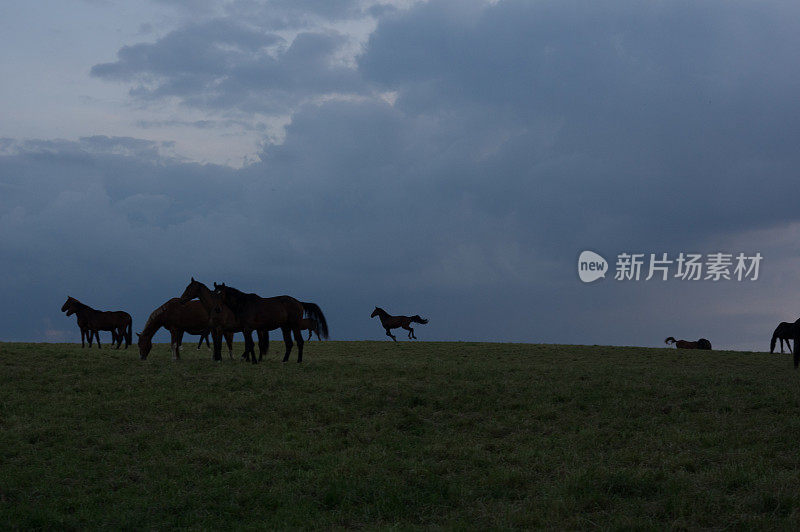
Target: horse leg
(97,336)
(120,336)
(200,343)
(216,335)
(173,341)
(390,335)
(410,331)
(310,332)
(249,346)
(248,339)
(298,338)
(229,341)
(180,343)
(287,339)
(263,344)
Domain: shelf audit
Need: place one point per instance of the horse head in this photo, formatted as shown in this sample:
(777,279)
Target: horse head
(68,306)
(376,312)
(145,345)
(192,291)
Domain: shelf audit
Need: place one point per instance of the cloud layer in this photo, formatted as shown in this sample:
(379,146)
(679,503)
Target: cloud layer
(454,167)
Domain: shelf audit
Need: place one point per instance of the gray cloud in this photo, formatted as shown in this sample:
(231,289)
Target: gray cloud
(224,65)
(521,133)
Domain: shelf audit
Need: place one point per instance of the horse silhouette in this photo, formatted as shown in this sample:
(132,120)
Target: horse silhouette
(784,332)
(702,343)
(118,322)
(390,322)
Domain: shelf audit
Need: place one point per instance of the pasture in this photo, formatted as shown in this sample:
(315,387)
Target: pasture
(416,434)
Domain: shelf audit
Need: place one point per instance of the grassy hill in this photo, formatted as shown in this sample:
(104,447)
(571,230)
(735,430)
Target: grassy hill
(373,434)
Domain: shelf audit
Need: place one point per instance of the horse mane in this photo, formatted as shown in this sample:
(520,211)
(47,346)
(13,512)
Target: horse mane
(155,314)
(236,299)
(79,305)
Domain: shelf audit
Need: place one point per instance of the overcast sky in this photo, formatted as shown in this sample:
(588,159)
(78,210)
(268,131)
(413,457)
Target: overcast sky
(445,158)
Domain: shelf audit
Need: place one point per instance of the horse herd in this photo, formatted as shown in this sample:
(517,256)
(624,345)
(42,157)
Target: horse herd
(784,332)
(221,313)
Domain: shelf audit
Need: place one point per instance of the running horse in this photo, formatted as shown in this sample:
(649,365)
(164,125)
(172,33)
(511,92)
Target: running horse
(178,318)
(390,322)
(702,343)
(784,332)
(118,322)
(254,312)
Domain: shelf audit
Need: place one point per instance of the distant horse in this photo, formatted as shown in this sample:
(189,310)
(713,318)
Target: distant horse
(393,322)
(254,312)
(310,325)
(118,322)
(222,320)
(178,318)
(702,343)
(784,332)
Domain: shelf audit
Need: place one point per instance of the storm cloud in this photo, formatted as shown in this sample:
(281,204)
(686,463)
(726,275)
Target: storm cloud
(453,167)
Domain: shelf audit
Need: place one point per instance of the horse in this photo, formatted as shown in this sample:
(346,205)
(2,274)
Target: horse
(178,318)
(784,332)
(254,312)
(310,325)
(393,322)
(222,320)
(82,325)
(118,322)
(702,343)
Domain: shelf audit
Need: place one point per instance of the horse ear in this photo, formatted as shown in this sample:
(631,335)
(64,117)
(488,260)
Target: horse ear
(193,279)
(216,285)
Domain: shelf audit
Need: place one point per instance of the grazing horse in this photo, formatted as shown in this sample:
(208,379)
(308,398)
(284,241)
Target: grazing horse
(310,325)
(222,320)
(784,332)
(702,343)
(393,322)
(254,312)
(178,318)
(118,322)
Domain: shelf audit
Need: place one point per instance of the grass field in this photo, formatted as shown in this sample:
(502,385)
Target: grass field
(372,434)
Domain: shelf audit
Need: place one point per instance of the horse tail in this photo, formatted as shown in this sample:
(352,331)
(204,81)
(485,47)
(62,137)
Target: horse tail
(669,340)
(416,319)
(313,311)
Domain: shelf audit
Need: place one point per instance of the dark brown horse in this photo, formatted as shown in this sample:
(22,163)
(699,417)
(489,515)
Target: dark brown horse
(702,343)
(254,312)
(310,325)
(222,320)
(82,325)
(390,322)
(784,332)
(118,322)
(178,318)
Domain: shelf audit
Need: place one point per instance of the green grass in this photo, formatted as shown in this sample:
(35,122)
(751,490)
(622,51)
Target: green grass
(372,434)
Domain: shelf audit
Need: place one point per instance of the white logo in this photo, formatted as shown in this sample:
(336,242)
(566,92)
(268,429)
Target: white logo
(591,266)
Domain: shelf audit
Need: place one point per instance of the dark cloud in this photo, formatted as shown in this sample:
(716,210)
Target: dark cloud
(518,134)
(225,65)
